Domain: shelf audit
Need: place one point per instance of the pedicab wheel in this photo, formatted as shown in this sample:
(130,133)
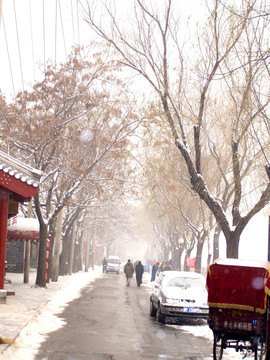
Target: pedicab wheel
(259,351)
(218,347)
(267,355)
(160,316)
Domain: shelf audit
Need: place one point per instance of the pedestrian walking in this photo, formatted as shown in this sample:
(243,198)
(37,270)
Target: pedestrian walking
(129,270)
(104,264)
(139,269)
(154,271)
(167,266)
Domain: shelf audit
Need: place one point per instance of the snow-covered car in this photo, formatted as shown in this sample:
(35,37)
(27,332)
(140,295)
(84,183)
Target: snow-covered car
(179,295)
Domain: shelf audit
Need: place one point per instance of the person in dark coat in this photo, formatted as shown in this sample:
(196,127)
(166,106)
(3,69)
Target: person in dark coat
(154,271)
(139,269)
(167,266)
(104,264)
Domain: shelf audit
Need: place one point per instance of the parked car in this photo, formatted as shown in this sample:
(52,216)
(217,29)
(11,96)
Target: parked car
(113,264)
(179,295)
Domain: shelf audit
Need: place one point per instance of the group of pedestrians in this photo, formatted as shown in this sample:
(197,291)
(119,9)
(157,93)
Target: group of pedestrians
(129,269)
(138,268)
(160,267)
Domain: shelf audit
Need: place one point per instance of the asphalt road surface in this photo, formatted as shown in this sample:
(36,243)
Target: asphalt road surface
(111,321)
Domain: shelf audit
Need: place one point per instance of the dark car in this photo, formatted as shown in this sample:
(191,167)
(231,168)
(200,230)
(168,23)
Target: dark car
(179,295)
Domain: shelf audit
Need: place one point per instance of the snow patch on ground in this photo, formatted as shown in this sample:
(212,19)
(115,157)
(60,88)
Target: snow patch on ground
(35,333)
(206,332)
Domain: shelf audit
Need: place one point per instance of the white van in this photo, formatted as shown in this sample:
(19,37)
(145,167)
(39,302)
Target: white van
(113,264)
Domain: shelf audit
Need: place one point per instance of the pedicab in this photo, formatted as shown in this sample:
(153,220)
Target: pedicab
(238,299)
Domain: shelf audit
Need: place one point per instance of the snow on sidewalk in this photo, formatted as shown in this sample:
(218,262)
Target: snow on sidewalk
(31,314)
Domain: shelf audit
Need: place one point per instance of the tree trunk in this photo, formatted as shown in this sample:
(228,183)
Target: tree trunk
(182,248)
(71,255)
(216,242)
(57,247)
(88,234)
(64,257)
(198,263)
(41,270)
(188,252)
(175,258)
(52,237)
(233,245)
(27,249)
(92,247)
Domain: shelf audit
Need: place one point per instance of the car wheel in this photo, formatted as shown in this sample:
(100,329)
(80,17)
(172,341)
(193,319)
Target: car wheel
(153,310)
(160,316)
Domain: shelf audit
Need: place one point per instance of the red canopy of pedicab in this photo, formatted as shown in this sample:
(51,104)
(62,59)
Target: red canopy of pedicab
(238,284)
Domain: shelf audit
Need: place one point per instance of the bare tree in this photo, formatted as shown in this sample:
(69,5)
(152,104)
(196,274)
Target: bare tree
(72,129)
(229,70)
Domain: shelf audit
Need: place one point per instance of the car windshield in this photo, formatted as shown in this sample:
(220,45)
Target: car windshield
(185,283)
(113,261)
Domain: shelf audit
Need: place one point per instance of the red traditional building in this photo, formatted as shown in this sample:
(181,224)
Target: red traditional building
(18,184)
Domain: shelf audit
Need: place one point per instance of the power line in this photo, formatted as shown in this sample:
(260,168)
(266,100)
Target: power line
(18,42)
(78,23)
(32,42)
(71,7)
(64,40)
(44,47)
(10,68)
(55,35)
(30,8)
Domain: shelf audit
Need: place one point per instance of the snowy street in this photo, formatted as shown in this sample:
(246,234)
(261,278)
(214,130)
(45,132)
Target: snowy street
(135,146)
(84,318)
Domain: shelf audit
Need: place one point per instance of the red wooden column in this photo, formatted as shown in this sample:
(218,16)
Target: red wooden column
(4,198)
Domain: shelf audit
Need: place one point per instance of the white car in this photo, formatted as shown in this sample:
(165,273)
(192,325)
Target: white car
(179,294)
(113,264)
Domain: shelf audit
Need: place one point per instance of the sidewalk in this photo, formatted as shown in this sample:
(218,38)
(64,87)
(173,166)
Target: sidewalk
(29,301)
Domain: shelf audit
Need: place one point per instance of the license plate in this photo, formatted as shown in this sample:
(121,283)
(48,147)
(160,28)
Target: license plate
(188,309)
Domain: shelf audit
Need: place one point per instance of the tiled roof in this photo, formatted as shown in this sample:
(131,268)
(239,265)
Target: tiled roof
(19,170)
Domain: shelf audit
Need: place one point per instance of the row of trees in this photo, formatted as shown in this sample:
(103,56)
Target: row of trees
(212,94)
(74,126)
(200,126)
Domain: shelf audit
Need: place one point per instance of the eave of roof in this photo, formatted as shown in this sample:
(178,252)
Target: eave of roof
(20,171)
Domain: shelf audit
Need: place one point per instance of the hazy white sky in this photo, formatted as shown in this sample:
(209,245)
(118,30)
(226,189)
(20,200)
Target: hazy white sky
(33,31)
